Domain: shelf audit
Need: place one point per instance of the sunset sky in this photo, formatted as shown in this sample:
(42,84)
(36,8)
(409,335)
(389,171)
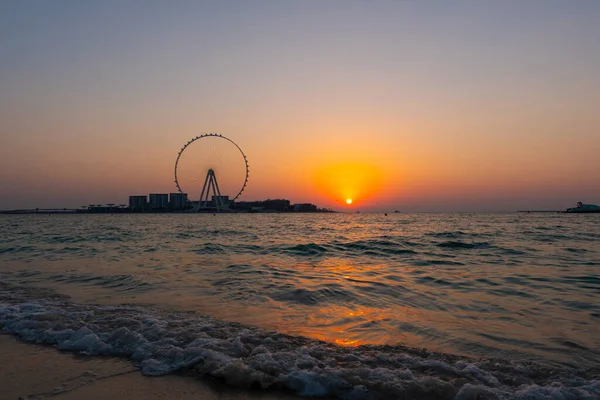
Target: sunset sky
(410,105)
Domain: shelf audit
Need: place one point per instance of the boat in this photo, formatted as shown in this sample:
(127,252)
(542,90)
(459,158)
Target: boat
(584,208)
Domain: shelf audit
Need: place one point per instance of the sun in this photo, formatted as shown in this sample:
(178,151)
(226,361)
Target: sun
(348,183)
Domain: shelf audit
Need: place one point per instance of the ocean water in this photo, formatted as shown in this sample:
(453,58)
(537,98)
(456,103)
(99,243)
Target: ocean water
(465,306)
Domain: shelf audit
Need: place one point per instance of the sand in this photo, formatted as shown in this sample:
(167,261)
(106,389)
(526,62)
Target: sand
(35,372)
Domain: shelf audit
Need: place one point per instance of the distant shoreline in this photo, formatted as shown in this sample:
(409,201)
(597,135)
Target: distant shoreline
(541,211)
(70,211)
(128,212)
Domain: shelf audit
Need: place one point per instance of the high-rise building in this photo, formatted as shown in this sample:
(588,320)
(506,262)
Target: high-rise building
(159,201)
(178,201)
(138,203)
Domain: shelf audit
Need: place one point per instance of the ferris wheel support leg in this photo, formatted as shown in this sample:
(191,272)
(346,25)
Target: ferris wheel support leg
(212,183)
(202,195)
(217,193)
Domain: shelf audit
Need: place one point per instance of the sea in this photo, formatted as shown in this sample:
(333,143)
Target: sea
(349,306)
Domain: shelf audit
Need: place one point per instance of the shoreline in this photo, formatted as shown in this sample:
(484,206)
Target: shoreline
(31,371)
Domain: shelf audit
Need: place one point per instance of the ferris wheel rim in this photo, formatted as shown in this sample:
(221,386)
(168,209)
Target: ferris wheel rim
(204,135)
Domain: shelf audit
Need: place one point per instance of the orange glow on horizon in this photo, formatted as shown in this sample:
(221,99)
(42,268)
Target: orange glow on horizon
(347,182)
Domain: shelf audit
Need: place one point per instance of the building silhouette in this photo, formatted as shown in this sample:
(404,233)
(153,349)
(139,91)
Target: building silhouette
(305,207)
(222,201)
(178,201)
(273,205)
(138,203)
(159,201)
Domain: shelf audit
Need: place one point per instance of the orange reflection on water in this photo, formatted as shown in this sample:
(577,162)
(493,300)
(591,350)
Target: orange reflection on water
(357,325)
(347,342)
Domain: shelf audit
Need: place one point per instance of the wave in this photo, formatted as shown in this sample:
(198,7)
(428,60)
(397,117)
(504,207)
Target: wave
(455,244)
(375,247)
(323,294)
(310,249)
(17,249)
(120,282)
(227,233)
(161,342)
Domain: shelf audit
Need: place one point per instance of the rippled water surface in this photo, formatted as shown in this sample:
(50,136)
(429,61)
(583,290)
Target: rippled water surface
(517,286)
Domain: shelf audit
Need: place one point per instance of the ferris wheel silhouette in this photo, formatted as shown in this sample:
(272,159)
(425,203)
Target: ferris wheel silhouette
(204,158)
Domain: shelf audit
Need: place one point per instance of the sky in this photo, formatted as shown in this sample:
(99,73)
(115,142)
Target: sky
(410,105)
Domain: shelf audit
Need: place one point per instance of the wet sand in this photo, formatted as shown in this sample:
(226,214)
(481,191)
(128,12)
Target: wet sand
(36,372)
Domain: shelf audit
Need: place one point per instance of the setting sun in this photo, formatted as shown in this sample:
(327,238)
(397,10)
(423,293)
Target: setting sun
(345,182)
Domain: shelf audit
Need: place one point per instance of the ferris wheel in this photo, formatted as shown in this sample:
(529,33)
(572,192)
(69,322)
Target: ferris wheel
(201,161)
